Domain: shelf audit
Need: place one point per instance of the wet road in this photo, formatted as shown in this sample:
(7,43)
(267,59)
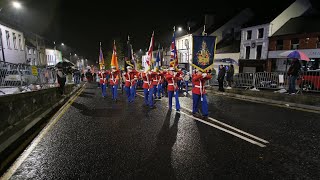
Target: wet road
(96,138)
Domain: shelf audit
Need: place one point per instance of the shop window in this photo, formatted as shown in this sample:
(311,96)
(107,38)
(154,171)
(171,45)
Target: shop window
(279,45)
(247,52)
(295,43)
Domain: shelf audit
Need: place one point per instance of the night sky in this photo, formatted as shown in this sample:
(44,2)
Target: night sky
(82,24)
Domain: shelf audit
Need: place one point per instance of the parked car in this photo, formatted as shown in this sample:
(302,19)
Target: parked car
(310,80)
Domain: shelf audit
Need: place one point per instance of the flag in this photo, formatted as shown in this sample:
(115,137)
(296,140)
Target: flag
(101,59)
(203,52)
(149,56)
(158,59)
(174,53)
(114,59)
(128,55)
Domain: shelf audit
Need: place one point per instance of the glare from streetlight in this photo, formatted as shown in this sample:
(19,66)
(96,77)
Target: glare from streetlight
(16,4)
(62,44)
(179,28)
(75,54)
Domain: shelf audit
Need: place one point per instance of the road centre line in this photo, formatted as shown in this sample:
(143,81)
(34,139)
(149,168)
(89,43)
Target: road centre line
(226,130)
(41,135)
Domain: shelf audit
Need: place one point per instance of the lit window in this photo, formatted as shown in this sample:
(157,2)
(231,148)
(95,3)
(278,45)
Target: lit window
(295,43)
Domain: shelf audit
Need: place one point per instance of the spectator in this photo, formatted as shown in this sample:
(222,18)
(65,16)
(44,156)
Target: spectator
(186,79)
(293,74)
(221,75)
(61,80)
(76,77)
(230,74)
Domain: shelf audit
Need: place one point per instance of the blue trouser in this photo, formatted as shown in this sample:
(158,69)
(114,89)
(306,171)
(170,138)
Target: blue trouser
(103,89)
(146,95)
(114,92)
(170,95)
(155,91)
(292,84)
(160,90)
(150,98)
(186,83)
(132,92)
(128,92)
(196,98)
(135,89)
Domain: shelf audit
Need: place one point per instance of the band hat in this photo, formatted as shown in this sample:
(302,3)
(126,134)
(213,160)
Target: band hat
(171,69)
(129,67)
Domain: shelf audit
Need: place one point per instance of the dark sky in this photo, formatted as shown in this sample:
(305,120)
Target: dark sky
(81,24)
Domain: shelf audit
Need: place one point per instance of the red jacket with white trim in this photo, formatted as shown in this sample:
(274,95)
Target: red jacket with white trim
(198,82)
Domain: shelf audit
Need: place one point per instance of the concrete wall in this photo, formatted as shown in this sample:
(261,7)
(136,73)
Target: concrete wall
(18,111)
(14,52)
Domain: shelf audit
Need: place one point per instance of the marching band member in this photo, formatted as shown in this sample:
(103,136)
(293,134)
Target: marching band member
(172,78)
(199,93)
(154,76)
(160,84)
(102,75)
(145,86)
(114,82)
(130,77)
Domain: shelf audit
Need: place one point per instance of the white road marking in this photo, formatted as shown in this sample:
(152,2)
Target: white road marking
(233,128)
(37,140)
(225,130)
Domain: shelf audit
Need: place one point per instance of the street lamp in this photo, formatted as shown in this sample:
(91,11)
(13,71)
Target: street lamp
(16,4)
(179,28)
(62,44)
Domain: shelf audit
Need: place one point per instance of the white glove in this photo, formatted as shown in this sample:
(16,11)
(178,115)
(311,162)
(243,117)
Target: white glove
(204,75)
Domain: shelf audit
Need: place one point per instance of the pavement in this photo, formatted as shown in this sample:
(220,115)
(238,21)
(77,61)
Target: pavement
(91,137)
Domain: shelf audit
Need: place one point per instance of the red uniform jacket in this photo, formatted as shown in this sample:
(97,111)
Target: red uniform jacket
(155,78)
(114,78)
(199,82)
(130,78)
(146,80)
(172,82)
(102,77)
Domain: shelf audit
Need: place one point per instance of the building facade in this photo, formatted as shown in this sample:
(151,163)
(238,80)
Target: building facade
(12,46)
(255,39)
(53,57)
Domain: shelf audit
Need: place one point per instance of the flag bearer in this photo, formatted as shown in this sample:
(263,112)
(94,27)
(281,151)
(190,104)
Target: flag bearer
(114,82)
(199,93)
(173,90)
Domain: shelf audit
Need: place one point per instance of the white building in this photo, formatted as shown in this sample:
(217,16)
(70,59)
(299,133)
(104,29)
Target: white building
(53,57)
(12,45)
(255,39)
(31,54)
(184,48)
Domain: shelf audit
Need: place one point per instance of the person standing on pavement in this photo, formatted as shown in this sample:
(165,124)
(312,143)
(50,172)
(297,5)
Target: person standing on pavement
(293,73)
(199,93)
(221,75)
(173,90)
(114,82)
(230,74)
(62,78)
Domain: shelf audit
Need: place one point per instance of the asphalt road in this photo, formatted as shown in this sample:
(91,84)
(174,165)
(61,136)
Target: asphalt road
(95,138)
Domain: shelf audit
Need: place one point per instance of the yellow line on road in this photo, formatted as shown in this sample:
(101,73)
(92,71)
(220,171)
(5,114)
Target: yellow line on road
(41,135)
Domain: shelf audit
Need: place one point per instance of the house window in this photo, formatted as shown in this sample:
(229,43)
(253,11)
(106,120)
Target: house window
(14,40)
(34,52)
(30,51)
(249,33)
(20,42)
(259,50)
(279,45)
(295,43)
(247,52)
(8,39)
(260,33)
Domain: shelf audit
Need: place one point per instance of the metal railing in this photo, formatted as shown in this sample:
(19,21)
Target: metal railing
(25,77)
(306,81)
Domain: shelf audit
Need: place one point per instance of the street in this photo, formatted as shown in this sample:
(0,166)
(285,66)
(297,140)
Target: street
(95,138)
